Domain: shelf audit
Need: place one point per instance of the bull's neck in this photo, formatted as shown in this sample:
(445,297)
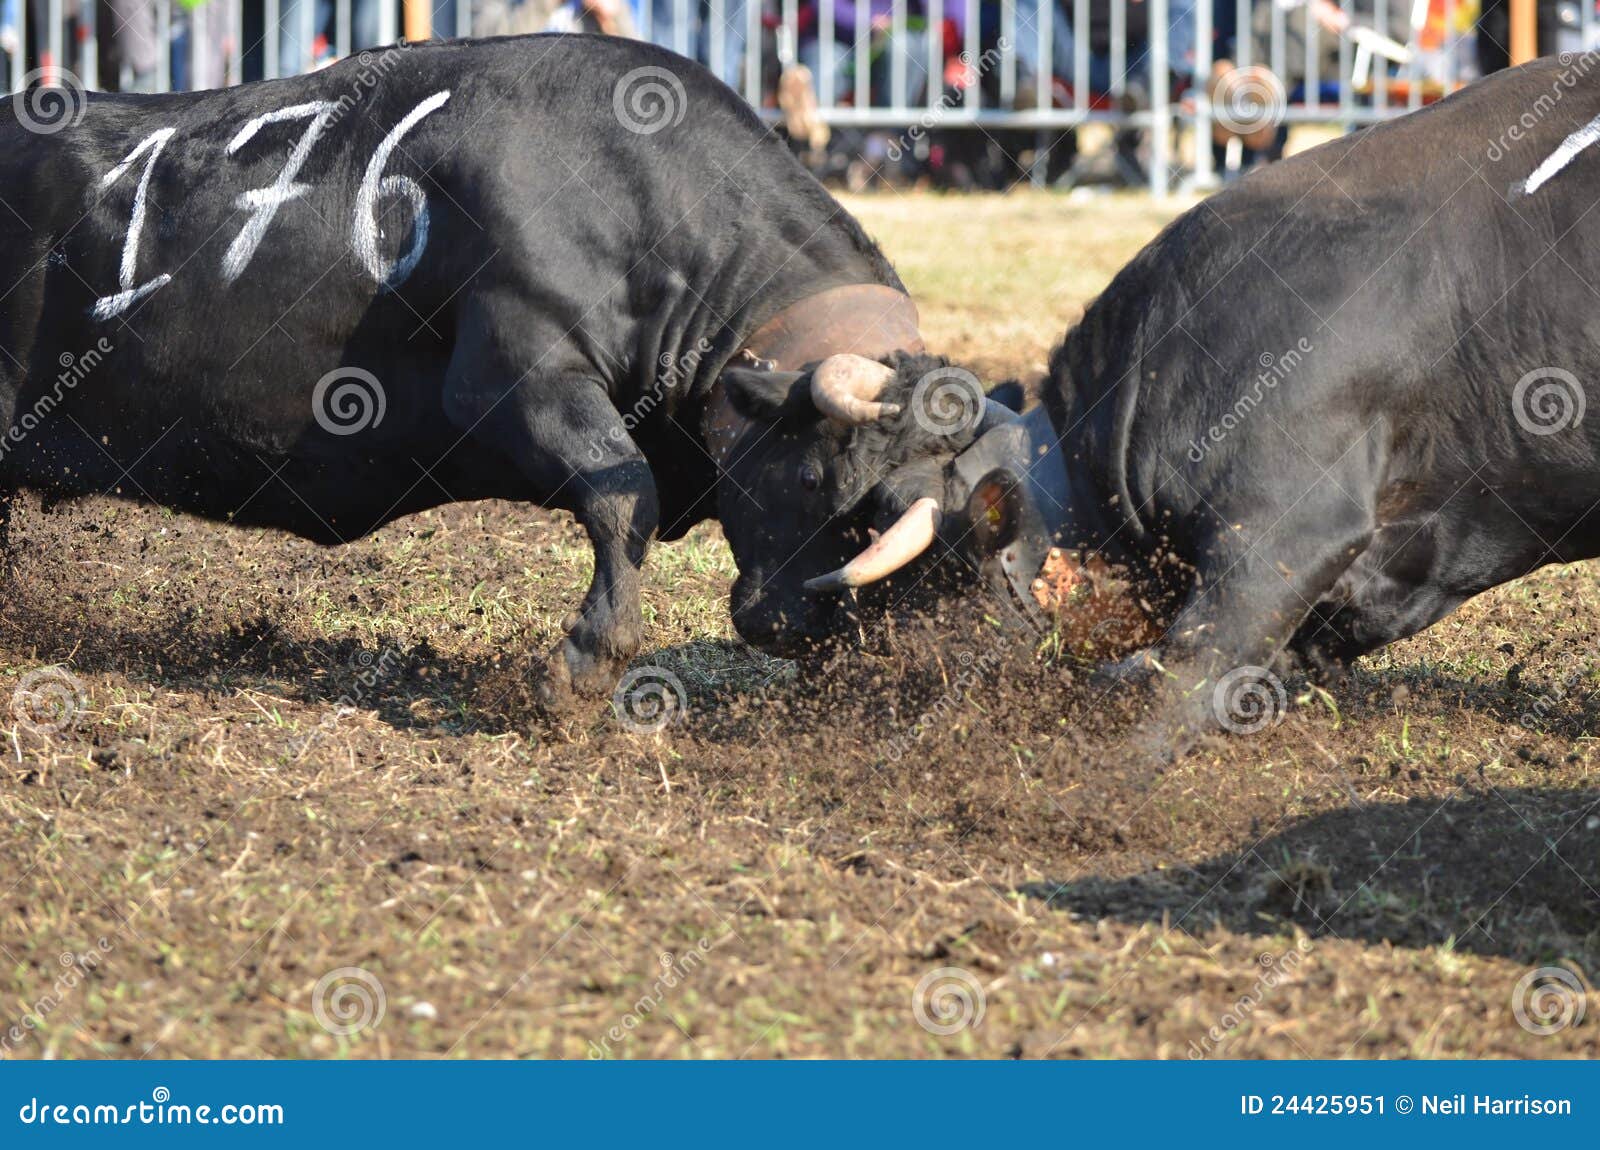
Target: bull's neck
(868,319)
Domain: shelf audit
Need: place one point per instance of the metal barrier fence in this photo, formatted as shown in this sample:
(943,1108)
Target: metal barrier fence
(1151,66)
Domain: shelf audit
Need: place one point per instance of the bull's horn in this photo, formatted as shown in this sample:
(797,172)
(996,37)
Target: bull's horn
(845,388)
(912,534)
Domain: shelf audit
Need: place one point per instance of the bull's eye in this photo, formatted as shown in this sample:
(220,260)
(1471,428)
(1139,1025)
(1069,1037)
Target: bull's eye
(810,478)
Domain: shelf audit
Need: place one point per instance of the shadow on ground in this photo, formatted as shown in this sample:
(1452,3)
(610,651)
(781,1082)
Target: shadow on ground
(1514,872)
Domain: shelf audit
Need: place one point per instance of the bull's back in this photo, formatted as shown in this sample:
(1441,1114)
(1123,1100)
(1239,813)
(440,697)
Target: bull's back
(216,287)
(1404,284)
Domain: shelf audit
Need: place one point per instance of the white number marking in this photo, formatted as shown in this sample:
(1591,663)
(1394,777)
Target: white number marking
(111,306)
(374,184)
(264,203)
(1585,137)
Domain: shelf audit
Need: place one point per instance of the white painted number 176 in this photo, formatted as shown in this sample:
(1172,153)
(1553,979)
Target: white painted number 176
(263,203)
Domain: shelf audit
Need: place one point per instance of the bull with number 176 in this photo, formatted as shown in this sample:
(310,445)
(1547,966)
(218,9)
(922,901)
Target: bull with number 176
(559,269)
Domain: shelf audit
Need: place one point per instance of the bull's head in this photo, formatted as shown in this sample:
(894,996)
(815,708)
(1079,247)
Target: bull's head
(832,482)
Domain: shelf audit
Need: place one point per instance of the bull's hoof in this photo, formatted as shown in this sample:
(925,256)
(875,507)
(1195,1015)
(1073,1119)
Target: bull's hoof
(572,676)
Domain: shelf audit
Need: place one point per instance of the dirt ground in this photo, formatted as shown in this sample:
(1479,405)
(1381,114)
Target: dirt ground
(277,800)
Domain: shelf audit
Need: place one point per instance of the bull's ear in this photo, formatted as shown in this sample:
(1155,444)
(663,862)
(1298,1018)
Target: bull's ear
(1008,395)
(757,394)
(994,509)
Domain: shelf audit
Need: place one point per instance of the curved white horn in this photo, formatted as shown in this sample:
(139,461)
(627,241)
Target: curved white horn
(911,535)
(845,388)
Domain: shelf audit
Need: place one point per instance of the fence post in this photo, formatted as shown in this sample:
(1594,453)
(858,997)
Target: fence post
(418,20)
(1524,31)
(1204,177)
(1160,102)
(388,31)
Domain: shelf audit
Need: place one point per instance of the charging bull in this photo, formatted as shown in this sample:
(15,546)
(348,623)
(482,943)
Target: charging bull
(516,269)
(1315,415)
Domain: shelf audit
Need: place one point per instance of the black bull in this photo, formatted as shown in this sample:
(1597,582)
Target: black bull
(1325,407)
(513,269)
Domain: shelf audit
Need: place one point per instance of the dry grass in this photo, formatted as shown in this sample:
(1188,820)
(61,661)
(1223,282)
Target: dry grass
(765,879)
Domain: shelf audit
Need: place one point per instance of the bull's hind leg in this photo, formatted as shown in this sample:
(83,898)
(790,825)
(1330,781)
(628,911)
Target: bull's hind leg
(565,436)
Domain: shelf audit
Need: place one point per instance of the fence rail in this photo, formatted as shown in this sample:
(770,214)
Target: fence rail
(1172,70)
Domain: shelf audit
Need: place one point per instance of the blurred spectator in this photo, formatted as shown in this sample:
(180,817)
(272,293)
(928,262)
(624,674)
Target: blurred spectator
(1494,32)
(1310,55)
(202,40)
(689,28)
(1136,30)
(510,17)
(129,45)
(606,17)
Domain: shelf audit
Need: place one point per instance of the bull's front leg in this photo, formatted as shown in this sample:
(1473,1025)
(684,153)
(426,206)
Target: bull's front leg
(618,508)
(570,442)
(1256,582)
